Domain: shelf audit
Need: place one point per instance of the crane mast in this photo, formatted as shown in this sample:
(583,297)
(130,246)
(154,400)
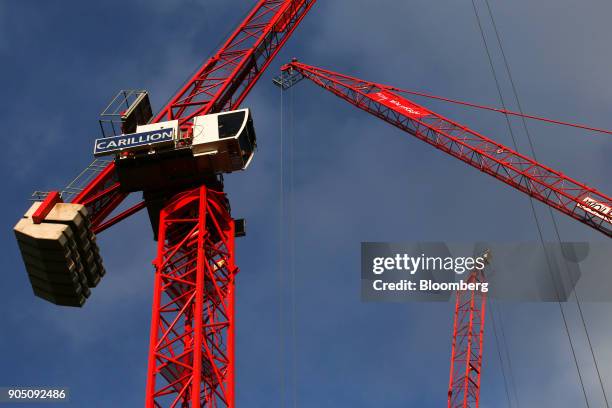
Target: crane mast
(466,350)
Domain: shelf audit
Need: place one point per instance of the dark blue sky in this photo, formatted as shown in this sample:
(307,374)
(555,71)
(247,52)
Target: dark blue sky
(355,179)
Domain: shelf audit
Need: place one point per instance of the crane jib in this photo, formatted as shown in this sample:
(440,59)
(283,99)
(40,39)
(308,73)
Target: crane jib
(543,183)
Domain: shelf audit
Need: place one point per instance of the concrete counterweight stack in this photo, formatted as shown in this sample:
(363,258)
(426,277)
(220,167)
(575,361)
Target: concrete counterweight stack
(60,253)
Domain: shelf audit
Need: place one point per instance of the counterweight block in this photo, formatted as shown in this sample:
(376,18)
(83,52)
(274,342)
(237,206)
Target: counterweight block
(60,253)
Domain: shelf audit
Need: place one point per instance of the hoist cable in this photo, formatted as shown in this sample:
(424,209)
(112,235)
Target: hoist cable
(539,229)
(556,228)
(507,352)
(499,353)
(291,240)
(280,258)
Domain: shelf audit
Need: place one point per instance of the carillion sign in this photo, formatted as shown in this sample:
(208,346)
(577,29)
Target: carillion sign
(115,144)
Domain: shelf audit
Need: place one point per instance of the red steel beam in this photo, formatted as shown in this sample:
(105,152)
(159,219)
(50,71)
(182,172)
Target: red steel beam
(101,196)
(46,206)
(121,216)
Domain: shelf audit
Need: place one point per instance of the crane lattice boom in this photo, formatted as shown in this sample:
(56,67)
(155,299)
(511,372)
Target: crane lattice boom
(549,186)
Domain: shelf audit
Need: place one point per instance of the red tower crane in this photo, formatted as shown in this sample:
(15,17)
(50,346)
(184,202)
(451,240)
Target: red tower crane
(549,186)
(176,158)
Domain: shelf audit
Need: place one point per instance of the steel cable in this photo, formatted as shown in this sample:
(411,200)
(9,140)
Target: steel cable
(499,354)
(292,247)
(280,257)
(552,215)
(537,222)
